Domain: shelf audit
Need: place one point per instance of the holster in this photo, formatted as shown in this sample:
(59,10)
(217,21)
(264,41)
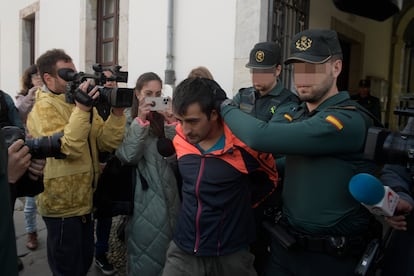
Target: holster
(287,240)
(273,223)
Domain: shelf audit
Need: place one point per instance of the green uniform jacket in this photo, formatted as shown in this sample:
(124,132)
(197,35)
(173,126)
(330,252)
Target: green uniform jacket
(324,150)
(274,105)
(70,182)
(278,105)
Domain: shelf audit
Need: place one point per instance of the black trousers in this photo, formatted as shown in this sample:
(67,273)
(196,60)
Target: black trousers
(70,245)
(259,248)
(399,255)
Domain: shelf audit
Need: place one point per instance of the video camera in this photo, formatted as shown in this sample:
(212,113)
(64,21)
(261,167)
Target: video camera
(385,146)
(116,97)
(39,148)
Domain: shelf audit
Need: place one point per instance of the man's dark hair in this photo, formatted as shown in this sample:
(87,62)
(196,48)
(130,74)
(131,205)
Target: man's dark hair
(337,57)
(203,91)
(46,63)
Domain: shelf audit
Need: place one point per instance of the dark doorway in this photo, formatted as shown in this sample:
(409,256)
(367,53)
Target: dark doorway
(343,79)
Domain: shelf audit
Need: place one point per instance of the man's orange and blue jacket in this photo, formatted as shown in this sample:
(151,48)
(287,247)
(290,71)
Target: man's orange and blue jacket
(216,216)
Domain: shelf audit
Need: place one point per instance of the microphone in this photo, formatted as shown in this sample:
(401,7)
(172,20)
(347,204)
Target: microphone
(378,199)
(165,147)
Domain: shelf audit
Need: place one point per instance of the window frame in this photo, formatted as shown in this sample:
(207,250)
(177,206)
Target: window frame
(286,18)
(101,41)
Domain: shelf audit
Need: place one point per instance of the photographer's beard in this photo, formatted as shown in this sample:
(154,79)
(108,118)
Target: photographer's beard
(56,85)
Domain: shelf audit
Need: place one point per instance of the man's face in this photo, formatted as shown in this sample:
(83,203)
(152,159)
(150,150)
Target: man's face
(56,83)
(314,81)
(264,80)
(195,124)
(110,80)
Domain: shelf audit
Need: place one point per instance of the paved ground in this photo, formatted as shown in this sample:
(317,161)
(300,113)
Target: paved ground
(35,262)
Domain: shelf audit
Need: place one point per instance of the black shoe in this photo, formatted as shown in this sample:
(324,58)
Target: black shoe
(20,265)
(104,265)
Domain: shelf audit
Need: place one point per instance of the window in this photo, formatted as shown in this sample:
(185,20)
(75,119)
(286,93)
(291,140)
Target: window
(28,38)
(286,18)
(107,32)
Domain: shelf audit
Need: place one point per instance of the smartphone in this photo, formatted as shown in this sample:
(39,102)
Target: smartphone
(159,103)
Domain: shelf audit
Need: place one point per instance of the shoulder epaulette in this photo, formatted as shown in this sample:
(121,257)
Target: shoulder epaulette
(352,105)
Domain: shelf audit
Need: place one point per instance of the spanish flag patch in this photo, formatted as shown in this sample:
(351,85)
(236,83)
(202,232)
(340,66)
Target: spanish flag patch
(334,121)
(288,117)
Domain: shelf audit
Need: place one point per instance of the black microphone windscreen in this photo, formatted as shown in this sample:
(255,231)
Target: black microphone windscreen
(165,147)
(67,74)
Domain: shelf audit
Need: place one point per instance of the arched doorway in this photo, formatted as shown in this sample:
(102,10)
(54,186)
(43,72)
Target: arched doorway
(402,75)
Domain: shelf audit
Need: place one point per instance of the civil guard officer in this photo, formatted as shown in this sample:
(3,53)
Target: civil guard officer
(364,98)
(266,100)
(322,229)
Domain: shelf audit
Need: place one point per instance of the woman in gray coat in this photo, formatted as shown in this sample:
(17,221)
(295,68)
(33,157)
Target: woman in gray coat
(156,200)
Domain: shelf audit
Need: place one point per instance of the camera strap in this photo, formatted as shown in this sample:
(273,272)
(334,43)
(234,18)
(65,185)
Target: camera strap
(90,149)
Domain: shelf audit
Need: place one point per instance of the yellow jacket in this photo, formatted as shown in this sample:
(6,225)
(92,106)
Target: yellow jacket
(70,182)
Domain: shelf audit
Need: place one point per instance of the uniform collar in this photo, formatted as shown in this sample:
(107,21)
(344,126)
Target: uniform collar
(331,101)
(275,90)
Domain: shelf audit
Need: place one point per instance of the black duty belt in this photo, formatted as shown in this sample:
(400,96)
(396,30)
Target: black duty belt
(292,239)
(331,245)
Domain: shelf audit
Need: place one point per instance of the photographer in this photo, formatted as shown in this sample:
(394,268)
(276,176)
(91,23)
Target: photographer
(30,83)
(104,108)
(19,168)
(9,116)
(8,252)
(399,254)
(103,220)
(19,162)
(66,203)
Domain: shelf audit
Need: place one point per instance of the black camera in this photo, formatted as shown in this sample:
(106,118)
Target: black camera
(39,148)
(385,146)
(116,97)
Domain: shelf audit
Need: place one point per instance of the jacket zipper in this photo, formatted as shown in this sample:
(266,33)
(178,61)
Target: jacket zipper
(199,207)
